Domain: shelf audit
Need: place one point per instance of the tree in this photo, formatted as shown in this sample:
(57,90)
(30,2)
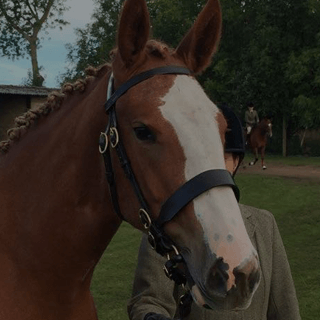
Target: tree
(20,24)
(94,41)
(269,54)
(172,19)
(303,73)
(260,42)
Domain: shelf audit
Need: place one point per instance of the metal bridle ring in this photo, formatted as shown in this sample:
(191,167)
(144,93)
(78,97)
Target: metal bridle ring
(106,142)
(114,137)
(145,218)
(174,248)
(152,240)
(167,273)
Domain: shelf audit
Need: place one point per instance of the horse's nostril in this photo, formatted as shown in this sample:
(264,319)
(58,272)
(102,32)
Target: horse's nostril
(241,284)
(254,278)
(246,279)
(218,277)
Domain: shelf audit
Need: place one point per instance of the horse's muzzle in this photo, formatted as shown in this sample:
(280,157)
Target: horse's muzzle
(228,290)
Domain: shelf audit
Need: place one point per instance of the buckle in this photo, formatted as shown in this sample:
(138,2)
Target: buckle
(171,269)
(152,241)
(145,218)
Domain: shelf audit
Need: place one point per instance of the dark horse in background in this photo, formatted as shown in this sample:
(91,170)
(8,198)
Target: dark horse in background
(258,138)
(57,210)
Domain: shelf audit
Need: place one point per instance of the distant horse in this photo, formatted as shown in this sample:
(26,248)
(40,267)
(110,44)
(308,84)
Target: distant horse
(257,140)
(162,169)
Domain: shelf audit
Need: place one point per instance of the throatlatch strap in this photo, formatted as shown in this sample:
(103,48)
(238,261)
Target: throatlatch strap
(192,189)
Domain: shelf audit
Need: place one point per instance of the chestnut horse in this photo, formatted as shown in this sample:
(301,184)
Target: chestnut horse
(58,212)
(257,140)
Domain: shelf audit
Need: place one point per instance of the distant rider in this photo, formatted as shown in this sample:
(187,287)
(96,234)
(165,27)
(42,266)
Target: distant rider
(251,117)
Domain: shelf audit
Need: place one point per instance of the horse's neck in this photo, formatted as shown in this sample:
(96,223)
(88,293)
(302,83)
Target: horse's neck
(55,205)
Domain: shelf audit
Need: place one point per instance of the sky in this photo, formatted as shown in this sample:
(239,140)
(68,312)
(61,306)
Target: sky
(52,55)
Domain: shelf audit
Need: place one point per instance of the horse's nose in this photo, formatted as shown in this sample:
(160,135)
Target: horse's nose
(218,277)
(244,278)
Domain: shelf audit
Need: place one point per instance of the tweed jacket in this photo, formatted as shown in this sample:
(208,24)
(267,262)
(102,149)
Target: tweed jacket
(251,118)
(275,298)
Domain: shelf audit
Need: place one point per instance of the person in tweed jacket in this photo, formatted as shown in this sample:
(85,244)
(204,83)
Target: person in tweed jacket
(155,297)
(275,298)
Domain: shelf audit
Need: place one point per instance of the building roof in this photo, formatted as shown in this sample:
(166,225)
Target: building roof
(26,91)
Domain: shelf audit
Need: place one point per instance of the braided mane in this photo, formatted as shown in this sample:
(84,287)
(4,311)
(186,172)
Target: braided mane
(53,102)
(56,98)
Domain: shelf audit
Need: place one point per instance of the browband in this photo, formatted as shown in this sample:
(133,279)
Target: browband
(141,77)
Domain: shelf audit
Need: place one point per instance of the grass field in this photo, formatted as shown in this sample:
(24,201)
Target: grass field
(289,161)
(296,207)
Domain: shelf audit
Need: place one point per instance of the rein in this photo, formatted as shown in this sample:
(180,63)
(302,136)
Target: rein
(185,194)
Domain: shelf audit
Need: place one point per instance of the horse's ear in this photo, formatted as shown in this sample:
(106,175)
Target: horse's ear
(198,46)
(133,31)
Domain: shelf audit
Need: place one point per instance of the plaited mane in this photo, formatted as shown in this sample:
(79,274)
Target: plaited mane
(53,102)
(56,98)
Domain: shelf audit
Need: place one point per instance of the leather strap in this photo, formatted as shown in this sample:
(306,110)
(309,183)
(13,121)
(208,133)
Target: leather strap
(126,166)
(141,77)
(192,189)
(109,106)
(111,180)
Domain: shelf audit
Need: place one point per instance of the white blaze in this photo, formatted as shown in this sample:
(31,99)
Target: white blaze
(193,116)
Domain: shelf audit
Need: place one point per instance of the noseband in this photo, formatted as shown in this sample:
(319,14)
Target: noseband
(184,195)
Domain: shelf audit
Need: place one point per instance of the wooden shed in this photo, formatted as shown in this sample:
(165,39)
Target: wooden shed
(15,100)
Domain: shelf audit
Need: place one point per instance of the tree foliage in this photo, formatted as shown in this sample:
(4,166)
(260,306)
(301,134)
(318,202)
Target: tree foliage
(270,55)
(20,24)
(94,41)
(303,73)
(269,52)
(172,19)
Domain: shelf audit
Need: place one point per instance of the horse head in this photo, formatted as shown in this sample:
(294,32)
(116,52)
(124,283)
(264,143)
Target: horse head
(266,126)
(269,127)
(171,133)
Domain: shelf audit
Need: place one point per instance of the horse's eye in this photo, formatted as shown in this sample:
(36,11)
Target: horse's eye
(143,133)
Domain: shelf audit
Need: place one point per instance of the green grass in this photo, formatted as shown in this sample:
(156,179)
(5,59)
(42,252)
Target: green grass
(289,161)
(296,207)
(112,280)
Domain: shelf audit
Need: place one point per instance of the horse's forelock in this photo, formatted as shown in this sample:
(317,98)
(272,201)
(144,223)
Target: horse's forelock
(158,49)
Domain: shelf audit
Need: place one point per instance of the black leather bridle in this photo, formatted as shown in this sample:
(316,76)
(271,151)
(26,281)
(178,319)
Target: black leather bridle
(185,194)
